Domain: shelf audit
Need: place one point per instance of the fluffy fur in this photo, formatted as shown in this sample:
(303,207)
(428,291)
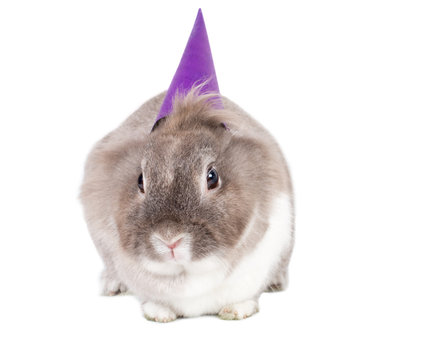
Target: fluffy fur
(182,249)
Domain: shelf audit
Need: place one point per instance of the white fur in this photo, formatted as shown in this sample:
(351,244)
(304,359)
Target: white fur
(157,312)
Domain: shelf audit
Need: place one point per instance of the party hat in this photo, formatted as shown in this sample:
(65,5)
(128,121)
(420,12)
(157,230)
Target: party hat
(196,67)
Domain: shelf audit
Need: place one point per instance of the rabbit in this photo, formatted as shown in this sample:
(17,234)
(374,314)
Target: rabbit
(194,214)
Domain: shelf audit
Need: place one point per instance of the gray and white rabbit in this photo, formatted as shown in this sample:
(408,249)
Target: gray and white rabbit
(194,217)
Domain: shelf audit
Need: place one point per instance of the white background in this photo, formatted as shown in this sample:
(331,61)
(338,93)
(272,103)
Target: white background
(347,87)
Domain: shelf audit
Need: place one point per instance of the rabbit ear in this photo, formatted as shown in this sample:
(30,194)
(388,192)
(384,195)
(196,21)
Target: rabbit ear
(158,123)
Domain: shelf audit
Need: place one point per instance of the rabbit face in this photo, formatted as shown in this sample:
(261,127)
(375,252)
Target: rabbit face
(183,208)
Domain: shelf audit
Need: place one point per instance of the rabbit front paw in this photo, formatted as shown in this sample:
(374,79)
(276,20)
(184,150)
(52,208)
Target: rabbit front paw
(239,311)
(157,312)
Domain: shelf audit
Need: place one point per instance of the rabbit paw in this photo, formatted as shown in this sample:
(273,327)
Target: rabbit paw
(158,313)
(111,285)
(239,311)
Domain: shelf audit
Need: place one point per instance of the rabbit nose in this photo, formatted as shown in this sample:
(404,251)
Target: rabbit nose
(173,245)
(172,242)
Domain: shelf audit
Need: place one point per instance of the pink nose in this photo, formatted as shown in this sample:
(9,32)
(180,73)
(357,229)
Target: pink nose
(170,241)
(174,245)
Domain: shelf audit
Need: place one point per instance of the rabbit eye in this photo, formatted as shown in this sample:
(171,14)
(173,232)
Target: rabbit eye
(212,179)
(140,183)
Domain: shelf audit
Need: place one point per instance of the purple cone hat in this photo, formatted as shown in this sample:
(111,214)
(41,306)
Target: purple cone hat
(196,67)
